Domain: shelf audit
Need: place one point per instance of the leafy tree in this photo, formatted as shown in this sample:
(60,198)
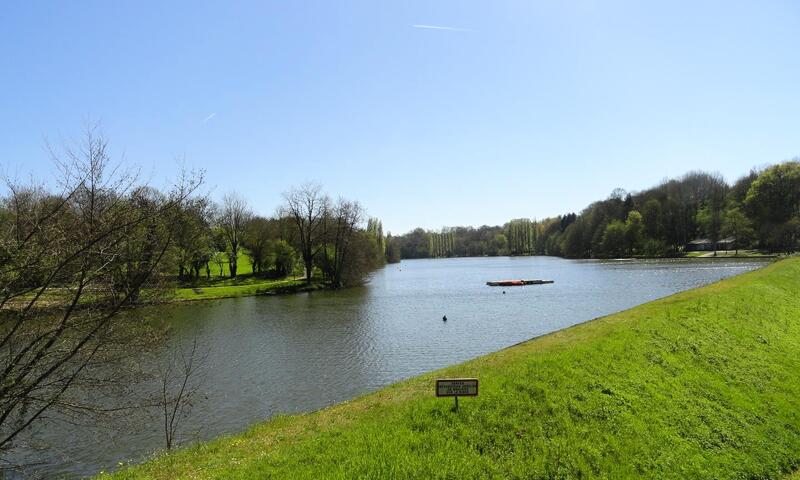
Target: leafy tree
(738,226)
(651,216)
(634,228)
(193,242)
(773,202)
(573,244)
(613,244)
(392,249)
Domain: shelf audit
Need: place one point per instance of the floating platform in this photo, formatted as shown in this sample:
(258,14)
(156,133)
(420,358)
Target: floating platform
(517,283)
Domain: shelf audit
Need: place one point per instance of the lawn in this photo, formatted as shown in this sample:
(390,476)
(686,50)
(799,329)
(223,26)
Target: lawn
(243,266)
(702,384)
(246,286)
(246,283)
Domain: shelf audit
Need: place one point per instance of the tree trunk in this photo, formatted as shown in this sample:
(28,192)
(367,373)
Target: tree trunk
(309,261)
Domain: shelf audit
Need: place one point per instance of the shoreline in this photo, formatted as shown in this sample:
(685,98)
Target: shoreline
(284,441)
(278,287)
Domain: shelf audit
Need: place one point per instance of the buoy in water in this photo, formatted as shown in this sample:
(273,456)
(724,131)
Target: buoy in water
(444,318)
(504,292)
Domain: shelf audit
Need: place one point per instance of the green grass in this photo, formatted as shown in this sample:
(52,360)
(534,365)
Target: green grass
(247,286)
(702,384)
(246,283)
(243,266)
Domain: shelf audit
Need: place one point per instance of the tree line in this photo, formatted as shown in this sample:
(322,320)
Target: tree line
(309,233)
(759,210)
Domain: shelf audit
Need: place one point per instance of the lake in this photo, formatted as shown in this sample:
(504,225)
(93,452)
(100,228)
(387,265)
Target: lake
(286,354)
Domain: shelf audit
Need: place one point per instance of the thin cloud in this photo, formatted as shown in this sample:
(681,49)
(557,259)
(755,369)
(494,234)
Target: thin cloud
(210,117)
(441,27)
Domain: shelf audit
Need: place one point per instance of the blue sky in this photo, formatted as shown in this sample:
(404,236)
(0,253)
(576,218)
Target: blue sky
(518,109)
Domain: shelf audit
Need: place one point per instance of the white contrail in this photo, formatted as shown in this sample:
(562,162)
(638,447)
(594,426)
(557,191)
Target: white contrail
(441,27)
(210,117)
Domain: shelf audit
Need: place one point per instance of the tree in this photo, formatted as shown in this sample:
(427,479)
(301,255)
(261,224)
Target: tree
(392,249)
(634,227)
(219,245)
(307,208)
(233,219)
(180,378)
(375,229)
(192,237)
(737,225)
(773,202)
(256,241)
(651,216)
(69,263)
(613,244)
(343,227)
(284,257)
(573,240)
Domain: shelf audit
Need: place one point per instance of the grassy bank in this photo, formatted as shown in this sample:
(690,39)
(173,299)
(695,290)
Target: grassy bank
(702,384)
(246,283)
(244,286)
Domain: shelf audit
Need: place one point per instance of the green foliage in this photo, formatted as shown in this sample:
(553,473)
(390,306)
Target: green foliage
(521,235)
(658,221)
(634,231)
(702,384)
(228,240)
(655,248)
(613,244)
(284,257)
(258,233)
(392,250)
(574,242)
(773,202)
(375,230)
(441,244)
(737,225)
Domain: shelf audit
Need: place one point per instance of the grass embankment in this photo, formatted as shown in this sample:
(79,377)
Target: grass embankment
(702,384)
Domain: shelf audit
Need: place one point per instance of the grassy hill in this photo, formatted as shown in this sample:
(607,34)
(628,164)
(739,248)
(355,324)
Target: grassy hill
(702,384)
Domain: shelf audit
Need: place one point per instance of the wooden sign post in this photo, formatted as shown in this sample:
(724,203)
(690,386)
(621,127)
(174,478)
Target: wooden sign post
(457,387)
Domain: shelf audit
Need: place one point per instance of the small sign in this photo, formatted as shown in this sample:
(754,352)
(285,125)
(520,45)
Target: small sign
(457,387)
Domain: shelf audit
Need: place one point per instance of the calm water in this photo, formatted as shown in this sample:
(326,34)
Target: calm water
(269,355)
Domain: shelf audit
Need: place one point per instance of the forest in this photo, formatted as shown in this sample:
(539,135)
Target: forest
(760,210)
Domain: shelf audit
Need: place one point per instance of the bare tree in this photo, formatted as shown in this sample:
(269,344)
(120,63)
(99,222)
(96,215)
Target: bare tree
(307,207)
(233,219)
(180,380)
(69,263)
